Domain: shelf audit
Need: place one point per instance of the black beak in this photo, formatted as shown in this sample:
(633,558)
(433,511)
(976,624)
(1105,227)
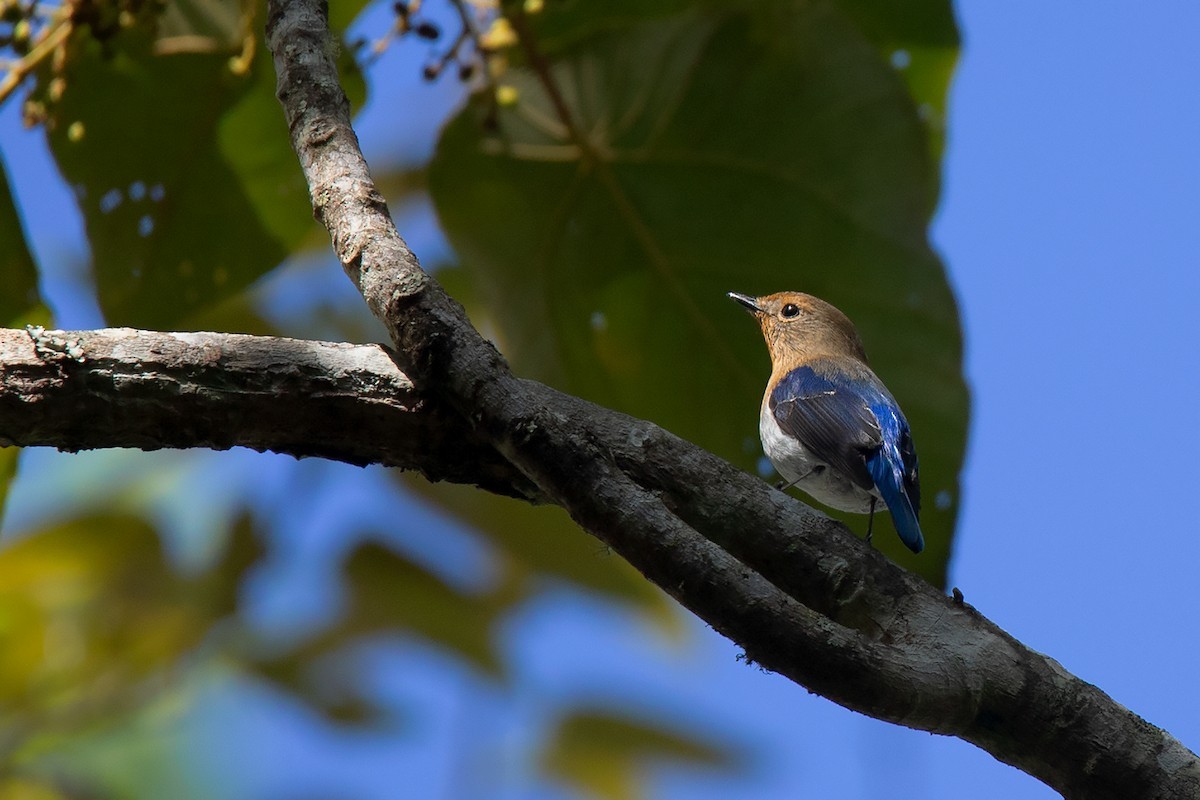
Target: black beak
(749,302)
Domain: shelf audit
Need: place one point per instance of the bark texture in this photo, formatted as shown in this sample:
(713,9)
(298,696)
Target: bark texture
(80,390)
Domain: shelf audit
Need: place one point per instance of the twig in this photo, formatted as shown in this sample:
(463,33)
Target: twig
(53,35)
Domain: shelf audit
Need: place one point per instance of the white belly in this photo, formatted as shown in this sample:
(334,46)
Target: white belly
(818,479)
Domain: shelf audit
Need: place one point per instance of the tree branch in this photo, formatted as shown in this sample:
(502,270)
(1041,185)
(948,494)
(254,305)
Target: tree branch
(80,390)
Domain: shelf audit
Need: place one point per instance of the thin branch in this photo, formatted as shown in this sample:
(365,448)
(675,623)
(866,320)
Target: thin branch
(49,39)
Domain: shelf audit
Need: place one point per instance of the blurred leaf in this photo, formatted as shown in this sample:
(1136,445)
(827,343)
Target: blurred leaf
(25,788)
(402,184)
(18,273)
(352,711)
(542,542)
(388,591)
(606,755)
(757,151)
(9,456)
(142,755)
(926,23)
(180,160)
(203,24)
(237,313)
(567,22)
(388,594)
(919,39)
(91,614)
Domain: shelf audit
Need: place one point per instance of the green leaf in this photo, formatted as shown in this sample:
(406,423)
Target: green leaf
(18,272)
(567,22)
(389,591)
(143,755)
(26,788)
(541,543)
(8,471)
(920,39)
(180,159)
(92,618)
(388,594)
(754,151)
(606,754)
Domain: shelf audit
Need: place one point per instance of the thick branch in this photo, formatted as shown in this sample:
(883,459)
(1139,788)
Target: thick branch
(79,390)
(795,589)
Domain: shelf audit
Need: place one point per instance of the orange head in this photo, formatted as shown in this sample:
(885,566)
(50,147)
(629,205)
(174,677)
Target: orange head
(799,327)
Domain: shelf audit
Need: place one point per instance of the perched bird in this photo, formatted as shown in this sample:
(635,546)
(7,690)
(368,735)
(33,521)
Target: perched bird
(828,423)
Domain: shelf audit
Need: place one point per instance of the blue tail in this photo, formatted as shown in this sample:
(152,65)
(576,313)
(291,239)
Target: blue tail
(887,469)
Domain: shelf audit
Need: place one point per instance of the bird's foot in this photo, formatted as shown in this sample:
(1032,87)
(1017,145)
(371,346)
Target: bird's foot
(871,523)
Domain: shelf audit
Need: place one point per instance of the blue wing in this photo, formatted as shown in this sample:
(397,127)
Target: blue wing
(846,418)
(828,415)
(894,469)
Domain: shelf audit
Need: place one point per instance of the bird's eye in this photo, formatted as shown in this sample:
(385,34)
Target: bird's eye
(790,310)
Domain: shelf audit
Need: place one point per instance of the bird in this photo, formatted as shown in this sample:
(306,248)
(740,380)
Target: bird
(828,424)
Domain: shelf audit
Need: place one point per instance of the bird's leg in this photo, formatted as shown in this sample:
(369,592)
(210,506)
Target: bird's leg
(783,487)
(871,521)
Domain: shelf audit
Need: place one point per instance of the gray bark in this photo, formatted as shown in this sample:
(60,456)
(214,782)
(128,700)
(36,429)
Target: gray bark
(80,390)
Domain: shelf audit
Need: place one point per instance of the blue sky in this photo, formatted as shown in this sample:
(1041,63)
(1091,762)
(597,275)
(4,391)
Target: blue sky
(1069,227)
(1068,223)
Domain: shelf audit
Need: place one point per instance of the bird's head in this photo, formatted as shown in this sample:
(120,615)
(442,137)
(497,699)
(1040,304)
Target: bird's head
(798,327)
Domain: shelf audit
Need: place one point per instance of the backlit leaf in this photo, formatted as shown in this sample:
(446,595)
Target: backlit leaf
(171,136)
(607,755)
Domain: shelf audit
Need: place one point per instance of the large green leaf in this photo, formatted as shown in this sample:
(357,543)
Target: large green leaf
(173,139)
(568,22)
(920,39)
(759,150)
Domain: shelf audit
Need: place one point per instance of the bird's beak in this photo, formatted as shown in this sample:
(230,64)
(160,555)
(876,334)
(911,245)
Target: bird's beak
(749,302)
